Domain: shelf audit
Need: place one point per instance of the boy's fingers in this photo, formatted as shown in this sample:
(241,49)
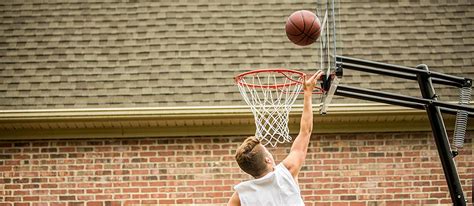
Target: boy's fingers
(316,75)
(313,76)
(320,73)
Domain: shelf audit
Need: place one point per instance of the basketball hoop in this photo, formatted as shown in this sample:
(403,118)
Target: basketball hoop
(270,93)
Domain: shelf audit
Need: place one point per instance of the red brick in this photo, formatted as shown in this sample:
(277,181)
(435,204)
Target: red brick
(49,198)
(31,198)
(68,197)
(340,204)
(367,161)
(184,201)
(214,194)
(166,201)
(148,190)
(438,195)
(95,204)
(113,203)
(413,202)
(122,196)
(131,202)
(394,203)
(222,188)
(103,197)
(149,202)
(357,204)
(147,154)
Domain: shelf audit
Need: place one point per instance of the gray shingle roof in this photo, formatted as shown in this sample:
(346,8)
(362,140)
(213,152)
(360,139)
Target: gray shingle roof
(185,53)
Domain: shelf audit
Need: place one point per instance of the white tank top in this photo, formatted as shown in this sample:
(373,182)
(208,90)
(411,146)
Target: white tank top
(275,188)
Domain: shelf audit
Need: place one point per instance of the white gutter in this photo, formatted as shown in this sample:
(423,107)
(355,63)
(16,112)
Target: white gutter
(199,121)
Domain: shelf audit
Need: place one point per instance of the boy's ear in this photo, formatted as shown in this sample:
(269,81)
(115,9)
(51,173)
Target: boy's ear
(268,160)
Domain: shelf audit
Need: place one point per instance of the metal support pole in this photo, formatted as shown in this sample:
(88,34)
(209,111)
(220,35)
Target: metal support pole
(429,102)
(441,138)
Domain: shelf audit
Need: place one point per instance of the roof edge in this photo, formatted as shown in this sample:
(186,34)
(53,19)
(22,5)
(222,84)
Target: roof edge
(181,111)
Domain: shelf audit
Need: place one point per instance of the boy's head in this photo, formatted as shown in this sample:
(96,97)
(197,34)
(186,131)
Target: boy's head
(253,158)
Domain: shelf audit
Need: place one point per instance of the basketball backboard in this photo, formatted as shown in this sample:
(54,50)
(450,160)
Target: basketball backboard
(328,47)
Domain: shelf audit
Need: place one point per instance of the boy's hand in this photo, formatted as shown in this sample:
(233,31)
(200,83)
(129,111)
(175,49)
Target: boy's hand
(310,83)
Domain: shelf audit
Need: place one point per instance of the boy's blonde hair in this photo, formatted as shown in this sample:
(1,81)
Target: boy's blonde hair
(250,156)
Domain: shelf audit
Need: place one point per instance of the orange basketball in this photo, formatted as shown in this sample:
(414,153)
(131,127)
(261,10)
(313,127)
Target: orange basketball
(303,27)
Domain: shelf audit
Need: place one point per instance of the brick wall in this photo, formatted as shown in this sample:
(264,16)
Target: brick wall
(362,169)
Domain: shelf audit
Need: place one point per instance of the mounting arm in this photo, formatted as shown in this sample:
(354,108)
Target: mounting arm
(428,102)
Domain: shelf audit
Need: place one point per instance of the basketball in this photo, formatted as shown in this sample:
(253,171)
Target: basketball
(303,27)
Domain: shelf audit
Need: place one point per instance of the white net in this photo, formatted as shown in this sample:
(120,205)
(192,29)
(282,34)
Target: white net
(270,95)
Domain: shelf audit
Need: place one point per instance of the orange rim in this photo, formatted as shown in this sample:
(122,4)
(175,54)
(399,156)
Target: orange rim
(284,72)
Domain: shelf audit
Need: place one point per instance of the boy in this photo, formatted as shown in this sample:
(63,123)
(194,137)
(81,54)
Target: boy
(275,184)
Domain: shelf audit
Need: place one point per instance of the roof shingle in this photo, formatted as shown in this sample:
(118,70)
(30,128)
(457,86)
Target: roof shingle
(98,53)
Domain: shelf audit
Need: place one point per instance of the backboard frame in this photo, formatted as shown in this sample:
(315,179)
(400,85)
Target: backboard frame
(328,48)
